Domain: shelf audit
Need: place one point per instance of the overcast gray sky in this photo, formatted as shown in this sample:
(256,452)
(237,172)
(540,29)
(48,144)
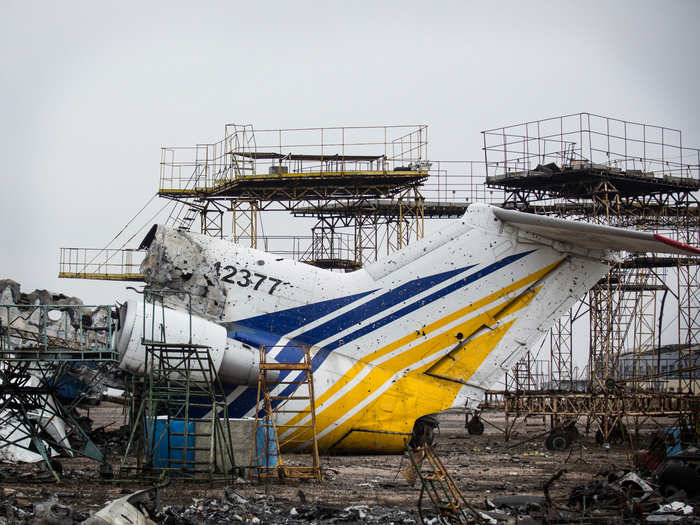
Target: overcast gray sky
(91,90)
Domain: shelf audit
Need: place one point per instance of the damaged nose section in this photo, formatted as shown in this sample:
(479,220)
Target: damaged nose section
(177,261)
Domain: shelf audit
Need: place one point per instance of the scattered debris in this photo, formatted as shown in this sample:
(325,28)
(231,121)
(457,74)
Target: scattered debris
(135,509)
(47,341)
(670,512)
(269,509)
(52,513)
(367,489)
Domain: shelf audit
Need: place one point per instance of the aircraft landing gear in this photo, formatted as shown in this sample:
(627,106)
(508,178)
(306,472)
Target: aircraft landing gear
(560,438)
(557,440)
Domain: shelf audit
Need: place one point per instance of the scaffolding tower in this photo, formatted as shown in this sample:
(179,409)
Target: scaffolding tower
(327,174)
(619,173)
(179,414)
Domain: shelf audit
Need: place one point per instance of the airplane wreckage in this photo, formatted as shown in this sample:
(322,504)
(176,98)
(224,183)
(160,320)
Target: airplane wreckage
(429,327)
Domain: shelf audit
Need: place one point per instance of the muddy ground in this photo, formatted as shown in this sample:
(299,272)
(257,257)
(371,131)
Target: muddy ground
(483,466)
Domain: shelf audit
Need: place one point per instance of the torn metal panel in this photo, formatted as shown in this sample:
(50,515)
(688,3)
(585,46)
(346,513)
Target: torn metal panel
(129,510)
(176,262)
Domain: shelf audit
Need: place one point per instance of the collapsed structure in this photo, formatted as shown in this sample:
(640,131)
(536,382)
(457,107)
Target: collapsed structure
(57,354)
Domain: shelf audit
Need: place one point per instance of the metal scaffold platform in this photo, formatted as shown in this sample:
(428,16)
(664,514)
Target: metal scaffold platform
(607,412)
(364,192)
(324,173)
(101,264)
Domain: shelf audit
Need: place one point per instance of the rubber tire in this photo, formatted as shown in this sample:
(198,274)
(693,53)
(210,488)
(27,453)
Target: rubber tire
(558,440)
(423,431)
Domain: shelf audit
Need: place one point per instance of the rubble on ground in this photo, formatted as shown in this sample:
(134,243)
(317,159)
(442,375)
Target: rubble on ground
(549,487)
(610,499)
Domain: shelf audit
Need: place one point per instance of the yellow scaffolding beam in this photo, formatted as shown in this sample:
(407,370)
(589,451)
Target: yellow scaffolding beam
(179,187)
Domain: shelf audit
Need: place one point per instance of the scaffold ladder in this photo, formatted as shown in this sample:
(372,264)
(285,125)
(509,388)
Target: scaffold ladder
(445,496)
(184,222)
(286,394)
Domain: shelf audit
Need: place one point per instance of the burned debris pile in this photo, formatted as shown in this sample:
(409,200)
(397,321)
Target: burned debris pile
(232,507)
(612,497)
(143,508)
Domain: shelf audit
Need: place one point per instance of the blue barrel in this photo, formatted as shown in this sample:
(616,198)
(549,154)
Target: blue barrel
(266,458)
(168,443)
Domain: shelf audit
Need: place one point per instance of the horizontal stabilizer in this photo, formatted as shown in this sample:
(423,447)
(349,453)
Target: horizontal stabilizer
(593,236)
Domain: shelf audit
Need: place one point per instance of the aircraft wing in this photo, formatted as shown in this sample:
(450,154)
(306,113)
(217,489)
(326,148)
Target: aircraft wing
(593,236)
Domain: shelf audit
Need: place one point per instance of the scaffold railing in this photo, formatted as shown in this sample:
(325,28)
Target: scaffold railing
(57,332)
(52,357)
(459,181)
(99,263)
(245,153)
(449,187)
(586,140)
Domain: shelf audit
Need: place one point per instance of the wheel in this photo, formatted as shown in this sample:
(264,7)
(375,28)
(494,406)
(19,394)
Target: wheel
(475,427)
(558,440)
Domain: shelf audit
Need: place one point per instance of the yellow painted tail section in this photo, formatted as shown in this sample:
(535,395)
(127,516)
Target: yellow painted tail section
(428,387)
(463,361)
